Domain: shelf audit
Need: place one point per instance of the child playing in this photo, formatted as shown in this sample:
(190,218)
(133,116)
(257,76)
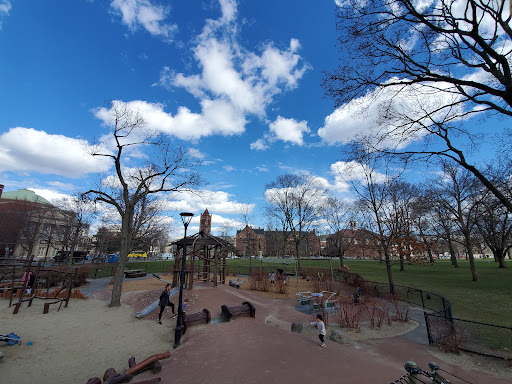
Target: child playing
(319,323)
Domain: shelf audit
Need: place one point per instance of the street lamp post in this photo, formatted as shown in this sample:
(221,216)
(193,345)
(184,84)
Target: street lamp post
(185,217)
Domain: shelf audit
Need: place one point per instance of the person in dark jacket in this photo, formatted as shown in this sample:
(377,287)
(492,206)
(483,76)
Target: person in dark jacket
(165,301)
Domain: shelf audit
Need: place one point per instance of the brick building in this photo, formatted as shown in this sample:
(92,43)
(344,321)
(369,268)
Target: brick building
(255,242)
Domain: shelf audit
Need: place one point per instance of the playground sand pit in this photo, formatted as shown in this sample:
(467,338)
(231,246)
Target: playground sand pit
(83,340)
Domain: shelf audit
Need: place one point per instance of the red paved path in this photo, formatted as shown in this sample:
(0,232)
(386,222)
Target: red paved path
(250,351)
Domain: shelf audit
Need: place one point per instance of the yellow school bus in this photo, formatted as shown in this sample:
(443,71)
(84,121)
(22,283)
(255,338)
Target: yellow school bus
(138,254)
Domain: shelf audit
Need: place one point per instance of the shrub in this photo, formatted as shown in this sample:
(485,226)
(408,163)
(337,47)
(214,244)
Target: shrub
(259,282)
(348,316)
(378,312)
(281,285)
(401,309)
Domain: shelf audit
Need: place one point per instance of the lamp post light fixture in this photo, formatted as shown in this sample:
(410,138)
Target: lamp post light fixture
(186,217)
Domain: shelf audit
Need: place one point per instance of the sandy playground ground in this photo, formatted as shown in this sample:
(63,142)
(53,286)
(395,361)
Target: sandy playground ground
(83,340)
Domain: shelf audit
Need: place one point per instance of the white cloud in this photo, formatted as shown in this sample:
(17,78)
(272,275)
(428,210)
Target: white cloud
(289,130)
(344,172)
(218,117)
(259,145)
(196,153)
(228,168)
(390,112)
(218,202)
(142,13)
(29,150)
(5,7)
(232,82)
(52,196)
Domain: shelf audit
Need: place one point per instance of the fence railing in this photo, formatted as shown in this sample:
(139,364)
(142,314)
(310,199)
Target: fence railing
(444,330)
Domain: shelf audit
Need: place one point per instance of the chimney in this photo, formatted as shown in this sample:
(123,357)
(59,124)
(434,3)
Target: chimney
(1,190)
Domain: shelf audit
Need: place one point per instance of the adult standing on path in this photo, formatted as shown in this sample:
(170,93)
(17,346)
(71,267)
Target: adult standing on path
(165,301)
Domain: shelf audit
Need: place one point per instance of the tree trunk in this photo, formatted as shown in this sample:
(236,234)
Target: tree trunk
(126,242)
(429,253)
(501,259)
(453,257)
(469,247)
(340,256)
(401,262)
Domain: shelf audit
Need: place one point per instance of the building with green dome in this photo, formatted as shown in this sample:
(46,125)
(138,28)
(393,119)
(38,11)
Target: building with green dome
(31,225)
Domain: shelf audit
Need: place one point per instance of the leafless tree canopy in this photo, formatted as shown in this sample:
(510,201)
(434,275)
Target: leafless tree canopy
(448,59)
(130,188)
(294,201)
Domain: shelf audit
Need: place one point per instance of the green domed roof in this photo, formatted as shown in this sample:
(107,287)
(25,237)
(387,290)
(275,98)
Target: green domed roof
(25,194)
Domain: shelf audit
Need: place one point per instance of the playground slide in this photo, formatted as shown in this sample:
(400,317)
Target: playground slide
(152,306)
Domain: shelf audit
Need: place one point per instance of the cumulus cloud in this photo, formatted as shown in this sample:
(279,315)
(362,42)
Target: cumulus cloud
(289,130)
(390,114)
(219,202)
(29,150)
(143,14)
(346,171)
(233,82)
(217,117)
(259,145)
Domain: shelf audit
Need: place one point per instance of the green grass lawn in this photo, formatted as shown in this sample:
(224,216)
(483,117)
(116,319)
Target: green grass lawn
(488,300)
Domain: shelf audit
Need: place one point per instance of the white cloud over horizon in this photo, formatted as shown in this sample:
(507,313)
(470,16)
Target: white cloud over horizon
(30,150)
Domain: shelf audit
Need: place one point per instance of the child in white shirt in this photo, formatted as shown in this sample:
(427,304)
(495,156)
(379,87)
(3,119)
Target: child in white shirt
(319,323)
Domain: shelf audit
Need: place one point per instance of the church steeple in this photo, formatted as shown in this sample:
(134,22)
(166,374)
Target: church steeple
(205,222)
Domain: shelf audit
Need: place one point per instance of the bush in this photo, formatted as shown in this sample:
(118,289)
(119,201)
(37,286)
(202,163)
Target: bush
(379,312)
(259,282)
(348,316)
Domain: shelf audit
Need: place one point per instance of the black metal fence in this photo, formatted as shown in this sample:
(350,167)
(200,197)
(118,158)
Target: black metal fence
(447,332)
(455,335)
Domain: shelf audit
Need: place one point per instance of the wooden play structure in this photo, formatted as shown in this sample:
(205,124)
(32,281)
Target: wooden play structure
(207,260)
(235,312)
(26,280)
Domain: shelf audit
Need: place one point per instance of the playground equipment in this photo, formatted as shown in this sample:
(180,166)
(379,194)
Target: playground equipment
(244,310)
(203,317)
(236,283)
(207,257)
(21,277)
(151,307)
(11,339)
(311,301)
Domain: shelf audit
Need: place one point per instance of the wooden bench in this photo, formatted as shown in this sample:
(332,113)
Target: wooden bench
(134,273)
(244,310)
(203,317)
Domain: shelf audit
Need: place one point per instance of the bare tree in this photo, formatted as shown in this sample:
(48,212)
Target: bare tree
(79,213)
(495,226)
(372,188)
(424,225)
(167,170)
(295,199)
(457,194)
(436,63)
(338,214)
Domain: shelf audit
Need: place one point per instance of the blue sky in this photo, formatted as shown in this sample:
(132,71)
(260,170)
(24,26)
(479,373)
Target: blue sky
(235,82)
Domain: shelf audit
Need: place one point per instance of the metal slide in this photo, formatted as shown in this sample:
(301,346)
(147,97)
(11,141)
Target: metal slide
(152,306)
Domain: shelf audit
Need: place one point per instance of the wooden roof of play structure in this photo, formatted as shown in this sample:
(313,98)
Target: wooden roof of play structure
(207,259)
